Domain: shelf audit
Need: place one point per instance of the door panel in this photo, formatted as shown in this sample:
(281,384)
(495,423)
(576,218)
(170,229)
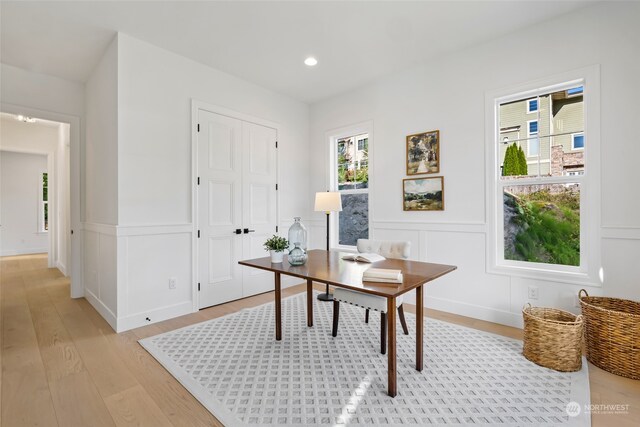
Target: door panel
(219,208)
(221,204)
(259,200)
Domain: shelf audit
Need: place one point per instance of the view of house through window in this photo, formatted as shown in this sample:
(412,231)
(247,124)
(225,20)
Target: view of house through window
(541,143)
(352,166)
(44,202)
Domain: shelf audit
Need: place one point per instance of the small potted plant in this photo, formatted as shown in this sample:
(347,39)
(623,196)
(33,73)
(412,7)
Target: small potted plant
(276,246)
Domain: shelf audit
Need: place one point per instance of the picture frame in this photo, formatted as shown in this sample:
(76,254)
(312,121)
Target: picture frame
(423,153)
(423,194)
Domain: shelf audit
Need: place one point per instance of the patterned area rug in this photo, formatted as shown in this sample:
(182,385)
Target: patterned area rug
(237,370)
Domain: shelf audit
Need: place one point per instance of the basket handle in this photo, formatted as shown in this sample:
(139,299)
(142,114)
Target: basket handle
(525,306)
(580,293)
(579,318)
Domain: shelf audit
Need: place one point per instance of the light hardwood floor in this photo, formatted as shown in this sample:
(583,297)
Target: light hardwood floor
(62,364)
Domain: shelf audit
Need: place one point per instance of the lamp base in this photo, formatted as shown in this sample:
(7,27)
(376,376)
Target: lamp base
(325,297)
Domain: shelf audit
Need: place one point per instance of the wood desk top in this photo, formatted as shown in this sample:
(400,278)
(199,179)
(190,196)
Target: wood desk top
(329,267)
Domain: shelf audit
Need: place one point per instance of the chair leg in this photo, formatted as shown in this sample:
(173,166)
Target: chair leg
(336,314)
(402,320)
(383,333)
(366,316)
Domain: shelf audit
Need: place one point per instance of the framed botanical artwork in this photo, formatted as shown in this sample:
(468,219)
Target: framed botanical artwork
(423,194)
(423,153)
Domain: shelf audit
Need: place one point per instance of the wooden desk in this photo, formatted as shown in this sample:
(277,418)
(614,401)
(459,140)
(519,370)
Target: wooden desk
(329,267)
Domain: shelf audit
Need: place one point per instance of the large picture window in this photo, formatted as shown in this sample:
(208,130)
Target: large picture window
(352,181)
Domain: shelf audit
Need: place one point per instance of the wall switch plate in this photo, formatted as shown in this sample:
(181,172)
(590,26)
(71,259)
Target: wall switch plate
(533,292)
(172,282)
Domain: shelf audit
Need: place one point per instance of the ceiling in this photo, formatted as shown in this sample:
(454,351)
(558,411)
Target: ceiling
(265,42)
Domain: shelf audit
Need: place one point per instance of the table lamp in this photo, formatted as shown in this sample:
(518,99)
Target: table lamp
(328,202)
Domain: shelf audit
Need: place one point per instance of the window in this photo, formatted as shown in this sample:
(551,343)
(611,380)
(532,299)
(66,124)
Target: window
(44,202)
(543,217)
(533,142)
(363,144)
(539,201)
(352,181)
(532,106)
(577,141)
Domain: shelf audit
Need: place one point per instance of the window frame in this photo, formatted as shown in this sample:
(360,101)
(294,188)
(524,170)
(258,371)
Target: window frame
(332,176)
(42,203)
(531,136)
(589,273)
(529,110)
(573,141)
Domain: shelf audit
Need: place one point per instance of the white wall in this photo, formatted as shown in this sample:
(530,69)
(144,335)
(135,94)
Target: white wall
(101,186)
(101,143)
(448,94)
(21,182)
(155,88)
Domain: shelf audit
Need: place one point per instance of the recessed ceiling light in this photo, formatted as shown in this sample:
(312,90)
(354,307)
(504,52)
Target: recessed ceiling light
(311,61)
(26,119)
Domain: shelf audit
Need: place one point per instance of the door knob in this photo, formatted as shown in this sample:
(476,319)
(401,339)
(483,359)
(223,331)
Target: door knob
(246,230)
(237,231)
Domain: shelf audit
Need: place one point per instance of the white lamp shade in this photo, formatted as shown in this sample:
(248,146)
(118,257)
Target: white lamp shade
(328,201)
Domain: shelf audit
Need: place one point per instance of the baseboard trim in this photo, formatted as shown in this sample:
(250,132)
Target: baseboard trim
(101,308)
(28,251)
(156,315)
(475,311)
(63,268)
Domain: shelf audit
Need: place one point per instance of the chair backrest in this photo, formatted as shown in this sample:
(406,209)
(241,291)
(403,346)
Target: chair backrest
(386,248)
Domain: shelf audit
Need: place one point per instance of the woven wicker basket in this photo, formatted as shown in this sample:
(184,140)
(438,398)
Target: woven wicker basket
(613,334)
(553,338)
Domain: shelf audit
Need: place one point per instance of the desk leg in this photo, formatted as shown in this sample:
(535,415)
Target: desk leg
(309,302)
(419,326)
(278,309)
(392,385)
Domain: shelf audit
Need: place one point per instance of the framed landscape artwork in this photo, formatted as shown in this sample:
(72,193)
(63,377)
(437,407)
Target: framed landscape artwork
(423,153)
(423,194)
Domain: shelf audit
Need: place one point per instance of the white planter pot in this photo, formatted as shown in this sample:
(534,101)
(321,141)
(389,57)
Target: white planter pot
(276,257)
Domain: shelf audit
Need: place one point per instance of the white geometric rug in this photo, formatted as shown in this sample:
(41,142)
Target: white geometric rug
(234,366)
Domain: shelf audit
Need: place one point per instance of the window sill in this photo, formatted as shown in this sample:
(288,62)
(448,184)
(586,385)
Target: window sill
(567,277)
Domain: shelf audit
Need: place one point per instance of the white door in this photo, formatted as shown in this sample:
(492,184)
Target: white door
(259,209)
(219,208)
(236,205)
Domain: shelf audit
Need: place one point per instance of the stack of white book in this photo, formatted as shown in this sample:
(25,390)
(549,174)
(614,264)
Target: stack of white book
(382,275)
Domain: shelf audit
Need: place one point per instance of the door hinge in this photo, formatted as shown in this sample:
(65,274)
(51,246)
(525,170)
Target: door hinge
(276,144)
(198,234)
(276,228)
(198,127)
(276,187)
(198,286)
(198,180)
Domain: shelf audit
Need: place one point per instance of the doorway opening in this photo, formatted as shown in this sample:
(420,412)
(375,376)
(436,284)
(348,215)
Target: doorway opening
(39,197)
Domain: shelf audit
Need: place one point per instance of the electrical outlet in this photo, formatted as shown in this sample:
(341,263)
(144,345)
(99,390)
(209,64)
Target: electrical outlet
(533,292)
(172,282)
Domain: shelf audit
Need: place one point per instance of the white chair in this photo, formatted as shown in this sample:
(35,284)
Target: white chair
(397,250)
